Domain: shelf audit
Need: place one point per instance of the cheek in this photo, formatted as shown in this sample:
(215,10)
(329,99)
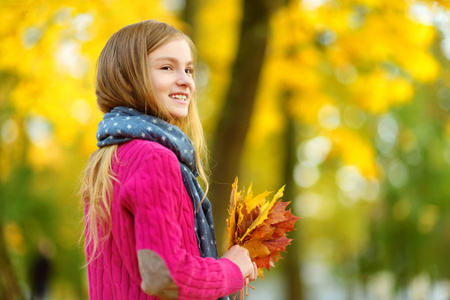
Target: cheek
(159,87)
(158,81)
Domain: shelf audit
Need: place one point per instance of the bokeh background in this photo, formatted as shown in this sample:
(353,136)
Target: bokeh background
(345,101)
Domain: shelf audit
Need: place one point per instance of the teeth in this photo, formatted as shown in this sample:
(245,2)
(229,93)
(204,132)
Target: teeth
(179,97)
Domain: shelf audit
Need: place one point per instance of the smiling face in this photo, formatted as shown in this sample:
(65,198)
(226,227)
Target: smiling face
(171,73)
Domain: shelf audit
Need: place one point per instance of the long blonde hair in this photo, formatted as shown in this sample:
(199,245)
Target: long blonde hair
(123,80)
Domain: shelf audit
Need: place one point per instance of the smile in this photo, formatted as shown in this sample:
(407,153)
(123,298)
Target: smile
(179,97)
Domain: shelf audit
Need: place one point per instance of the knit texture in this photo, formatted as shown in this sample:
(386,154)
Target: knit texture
(123,124)
(151,209)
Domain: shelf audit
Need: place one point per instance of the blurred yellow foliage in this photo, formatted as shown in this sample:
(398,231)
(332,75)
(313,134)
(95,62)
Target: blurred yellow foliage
(355,151)
(376,92)
(14,238)
(307,106)
(372,52)
(52,46)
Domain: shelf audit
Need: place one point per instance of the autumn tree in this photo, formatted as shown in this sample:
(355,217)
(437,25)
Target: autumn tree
(341,85)
(233,124)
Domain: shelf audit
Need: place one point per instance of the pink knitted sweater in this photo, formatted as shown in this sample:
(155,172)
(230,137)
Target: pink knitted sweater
(151,209)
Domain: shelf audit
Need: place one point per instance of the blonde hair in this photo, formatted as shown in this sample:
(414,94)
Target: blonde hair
(123,80)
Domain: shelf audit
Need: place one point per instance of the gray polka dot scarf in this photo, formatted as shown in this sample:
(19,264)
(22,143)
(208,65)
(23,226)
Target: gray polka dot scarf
(124,124)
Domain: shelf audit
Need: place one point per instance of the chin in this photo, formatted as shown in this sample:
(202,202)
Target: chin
(179,115)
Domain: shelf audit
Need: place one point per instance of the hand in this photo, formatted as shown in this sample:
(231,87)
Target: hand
(254,274)
(240,256)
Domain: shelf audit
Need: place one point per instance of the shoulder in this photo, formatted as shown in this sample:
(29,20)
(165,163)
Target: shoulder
(146,172)
(138,158)
(143,149)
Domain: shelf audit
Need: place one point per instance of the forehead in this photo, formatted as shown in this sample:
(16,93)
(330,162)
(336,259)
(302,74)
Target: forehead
(177,49)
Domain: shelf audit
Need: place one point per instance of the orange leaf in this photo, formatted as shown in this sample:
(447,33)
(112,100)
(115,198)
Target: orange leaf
(285,226)
(277,213)
(274,257)
(262,232)
(278,244)
(256,249)
(262,262)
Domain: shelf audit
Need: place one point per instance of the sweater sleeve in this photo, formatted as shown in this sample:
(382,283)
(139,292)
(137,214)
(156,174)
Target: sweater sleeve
(152,194)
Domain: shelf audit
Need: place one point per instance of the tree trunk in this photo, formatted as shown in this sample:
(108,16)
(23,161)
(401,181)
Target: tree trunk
(228,140)
(9,288)
(292,263)
(189,15)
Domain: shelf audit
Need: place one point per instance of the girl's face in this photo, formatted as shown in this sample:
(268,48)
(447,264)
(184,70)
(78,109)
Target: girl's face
(171,72)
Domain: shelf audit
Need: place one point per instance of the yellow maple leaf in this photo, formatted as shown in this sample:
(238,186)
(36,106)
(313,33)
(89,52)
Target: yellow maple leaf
(259,224)
(265,209)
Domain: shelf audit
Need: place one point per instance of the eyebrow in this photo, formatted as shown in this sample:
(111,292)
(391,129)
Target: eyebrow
(172,59)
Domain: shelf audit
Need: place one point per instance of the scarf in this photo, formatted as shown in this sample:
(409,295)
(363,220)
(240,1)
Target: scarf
(124,124)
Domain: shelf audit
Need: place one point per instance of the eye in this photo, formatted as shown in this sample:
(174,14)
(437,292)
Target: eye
(189,70)
(166,68)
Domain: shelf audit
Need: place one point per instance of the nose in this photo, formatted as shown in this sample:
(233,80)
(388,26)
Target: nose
(185,79)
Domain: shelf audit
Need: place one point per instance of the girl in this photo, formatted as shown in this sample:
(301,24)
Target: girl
(149,232)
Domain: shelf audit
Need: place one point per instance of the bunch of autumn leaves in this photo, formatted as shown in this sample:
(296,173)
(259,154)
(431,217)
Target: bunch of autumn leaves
(260,225)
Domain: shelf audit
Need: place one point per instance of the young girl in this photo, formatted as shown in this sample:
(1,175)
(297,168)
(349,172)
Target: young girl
(148,225)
